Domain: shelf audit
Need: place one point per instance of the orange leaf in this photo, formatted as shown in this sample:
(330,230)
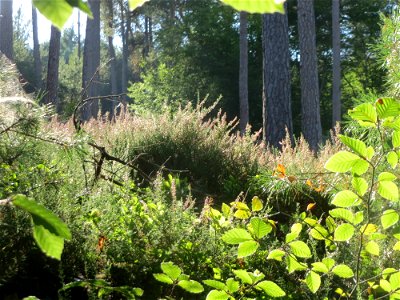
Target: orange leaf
(311,206)
(100,243)
(308,182)
(280,168)
(321,188)
(291,178)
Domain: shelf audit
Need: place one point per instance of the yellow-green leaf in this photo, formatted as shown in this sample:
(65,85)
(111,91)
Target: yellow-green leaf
(372,248)
(133,4)
(257,6)
(344,232)
(388,190)
(276,254)
(271,289)
(313,281)
(343,271)
(247,248)
(300,249)
(346,198)
(341,162)
(392,159)
(389,218)
(58,12)
(360,185)
(256,204)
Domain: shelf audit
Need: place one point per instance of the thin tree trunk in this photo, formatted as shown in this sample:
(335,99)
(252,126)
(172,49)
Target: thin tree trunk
(336,68)
(124,35)
(277,109)
(6,29)
(243,75)
(91,62)
(52,69)
(310,110)
(79,34)
(36,51)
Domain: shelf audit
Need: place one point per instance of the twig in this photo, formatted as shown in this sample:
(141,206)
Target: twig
(6,201)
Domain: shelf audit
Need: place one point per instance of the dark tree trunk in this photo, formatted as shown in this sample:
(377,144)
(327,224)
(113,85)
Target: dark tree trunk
(52,69)
(243,75)
(336,93)
(6,29)
(124,34)
(277,109)
(91,62)
(310,111)
(36,51)
(79,35)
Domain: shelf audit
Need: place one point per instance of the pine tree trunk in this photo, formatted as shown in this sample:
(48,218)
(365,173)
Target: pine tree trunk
(79,35)
(243,74)
(277,110)
(52,69)
(6,29)
(124,36)
(336,69)
(91,62)
(36,51)
(310,110)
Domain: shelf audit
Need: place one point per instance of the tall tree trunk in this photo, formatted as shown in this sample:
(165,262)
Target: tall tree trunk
(6,28)
(91,62)
(277,109)
(310,111)
(336,69)
(52,69)
(36,51)
(124,35)
(243,74)
(79,35)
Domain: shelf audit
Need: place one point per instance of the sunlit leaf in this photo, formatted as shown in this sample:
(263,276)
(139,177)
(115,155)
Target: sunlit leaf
(243,275)
(392,159)
(368,229)
(236,236)
(389,218)
(215,284)
(58,12)
(356,145)
(172,270)
(51,244)
(293,264)
(346,198)
(342,213)
(388,190)
(386,176)
(318,232)
(256,204)
(133,4)
(217,295)
(300,249)
(365,113)
(242,214)
(313,281)
(191,286)
(260,228)
(344,232)
(328,262)
(276,254)
(372,248)
(271,289)
(257,6)
(396,139)
(387,107)
(385,285)
(247,248)
(163,278)
(232,285)
(341,162)
(320,267)
(343,271)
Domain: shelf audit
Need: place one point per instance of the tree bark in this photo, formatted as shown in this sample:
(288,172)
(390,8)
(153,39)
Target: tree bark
(243,74)
(52,69)
(79,35)
(6,29)
(91,62)
(310,110)
(36,51)
(124,36)
(336,68)
(277,109)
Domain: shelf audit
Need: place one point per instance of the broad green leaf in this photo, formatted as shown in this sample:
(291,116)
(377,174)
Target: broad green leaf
(226,210)
(81,5)
(320,267)
(392,159)
(257,6)
(365,113)
(328,262)
(240,205)
(389,218)
(372,248)
(313,281)
(172,270)
(58,12)
(318,232)
(232,285)
(387,272)
(183,277)
(370,152)
(276,254)
(256,204)
(260,228)
(341,162)
(293,264)
(344,232)
(346,198)
(133,4)
(296,228)
(387,107)
(386,176)
(354,144)
(291,236)
(358,217)
(236,236)
(395,280)
(247,248)
(360,185)
(243,275)
(271,289)
(217,295)
(311,222)
(396,246)
(163,278)
(343,271)
(51,244)
(43,216)
(191,286)
(396,139)
(300,249)
(360,167)
(388,190)
(215,284)
(377,236)
(368,229)
(330,224)
(342,213)
(385,285)
(242,214)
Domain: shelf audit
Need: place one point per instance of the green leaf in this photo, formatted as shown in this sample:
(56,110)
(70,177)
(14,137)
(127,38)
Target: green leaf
(346,198)
(386,176)
(217,295)
(395,280)
(319,233)
(44,217)
(354,144)
(360,185)
(370,152)
(226,210)
(191,286)
(51,244)
(344,232)
(342,213)
(387,107)
(388,190)
(372,248)
(360,167)
(271,289)
(294,265)
(215,284)
(396,246)
(296,228)
(300,249)
(260,228)
(291,236)
(257,6)
(236,236)
(243,275)
(232,285)
(313,281)
(242,214)
(385,285)
(163,278)
(133,4)
(276,254)
(392,159)
(387,272)
(389,218)
(358,217)
(365,113)
(341,162)
(83,6)
(396,139)
(343,271)
(368,229)
(320,267)
(328,262)
(58,12)
(172,270)
(256,204)
(247,248)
